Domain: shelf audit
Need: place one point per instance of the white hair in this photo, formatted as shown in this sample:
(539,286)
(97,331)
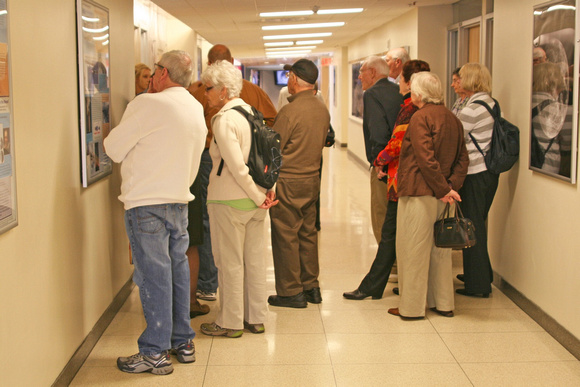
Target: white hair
(377,63)
(224,74)
(427,86)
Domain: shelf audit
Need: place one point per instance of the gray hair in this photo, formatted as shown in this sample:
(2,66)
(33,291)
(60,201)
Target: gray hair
(377,63)
(224,74)
(179,65)
(399,53)
(427,86)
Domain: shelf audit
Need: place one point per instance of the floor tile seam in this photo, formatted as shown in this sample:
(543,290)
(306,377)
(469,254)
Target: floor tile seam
(452,354)
(521,361)
(281,363)
(327,345)
(494,331)
(207,363)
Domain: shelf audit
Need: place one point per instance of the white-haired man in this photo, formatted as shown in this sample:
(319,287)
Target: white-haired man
(382,102)
(159,143)
(396,58)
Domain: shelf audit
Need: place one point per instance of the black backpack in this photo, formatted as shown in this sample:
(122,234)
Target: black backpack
(265,158)
(537,154)
(505,142)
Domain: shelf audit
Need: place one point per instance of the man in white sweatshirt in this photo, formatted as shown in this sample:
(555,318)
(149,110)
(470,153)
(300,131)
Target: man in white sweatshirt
(159,143)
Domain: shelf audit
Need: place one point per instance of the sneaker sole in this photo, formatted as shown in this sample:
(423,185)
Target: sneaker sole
(144,368)
(232,335)
(184,359)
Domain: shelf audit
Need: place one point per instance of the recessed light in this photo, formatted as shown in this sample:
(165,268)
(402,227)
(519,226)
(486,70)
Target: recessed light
(298,26)
(298,36)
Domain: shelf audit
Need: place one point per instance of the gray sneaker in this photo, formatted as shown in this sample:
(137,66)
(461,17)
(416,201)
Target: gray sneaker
(206,296)
(212,329)
(185,352)
(156,364)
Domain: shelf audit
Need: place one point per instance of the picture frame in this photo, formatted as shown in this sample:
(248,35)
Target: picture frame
(8,199)
(93,55)
(554,95)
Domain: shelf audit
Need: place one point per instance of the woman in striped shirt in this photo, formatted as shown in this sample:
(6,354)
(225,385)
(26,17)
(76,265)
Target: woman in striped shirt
(480,185)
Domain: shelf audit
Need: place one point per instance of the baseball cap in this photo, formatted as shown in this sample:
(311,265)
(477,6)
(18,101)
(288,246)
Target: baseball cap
(304,69)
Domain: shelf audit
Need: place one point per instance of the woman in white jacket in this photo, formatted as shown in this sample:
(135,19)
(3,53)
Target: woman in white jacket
(237,208)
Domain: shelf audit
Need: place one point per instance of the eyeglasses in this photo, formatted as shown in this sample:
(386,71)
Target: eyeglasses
(158,65)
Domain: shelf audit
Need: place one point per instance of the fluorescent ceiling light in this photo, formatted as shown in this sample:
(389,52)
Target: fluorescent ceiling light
(278,44)
(298,26)
(96,30)
(561,7)
(308,42)
(291,48)
(90,19)
(337,11)
(104,37)
(288,52)
(105,43)
(292,55)
(288,13)
(3,12)
(298,36)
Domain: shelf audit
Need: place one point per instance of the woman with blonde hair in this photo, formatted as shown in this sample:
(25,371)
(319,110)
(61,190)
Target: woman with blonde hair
(142,76)
(480,184)
(432,166)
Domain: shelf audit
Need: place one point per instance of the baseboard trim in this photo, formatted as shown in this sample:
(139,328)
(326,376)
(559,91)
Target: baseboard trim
(78,359)
(550,325)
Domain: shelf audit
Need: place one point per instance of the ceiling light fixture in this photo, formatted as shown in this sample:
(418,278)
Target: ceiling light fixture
(288,52)
(339,11)
(298,36)
(104,37)
(291,48)
(288,13)
(90,19)
(307,42)
(95,30)
(289,55)
(278,44)
(298,26)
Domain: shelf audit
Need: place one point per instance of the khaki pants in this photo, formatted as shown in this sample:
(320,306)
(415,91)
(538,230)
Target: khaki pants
(294,235)
(379,204)
(425,271)
(237,239)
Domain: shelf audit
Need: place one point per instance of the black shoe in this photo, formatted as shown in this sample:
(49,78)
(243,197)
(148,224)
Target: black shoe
(313,296)
(461,277)
(396,291)
(466,293)
(358,295)
(297,301)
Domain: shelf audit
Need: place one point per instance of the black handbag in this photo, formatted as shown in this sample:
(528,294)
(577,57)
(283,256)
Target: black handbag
(454,232)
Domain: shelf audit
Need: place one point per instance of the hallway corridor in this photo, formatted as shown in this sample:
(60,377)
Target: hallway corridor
(489,342)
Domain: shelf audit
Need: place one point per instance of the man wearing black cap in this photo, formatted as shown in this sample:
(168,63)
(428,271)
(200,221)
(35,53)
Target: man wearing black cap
(303,125)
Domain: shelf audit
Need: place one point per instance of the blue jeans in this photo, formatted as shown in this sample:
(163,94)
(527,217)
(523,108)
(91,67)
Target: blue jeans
(159,239)
(208,277)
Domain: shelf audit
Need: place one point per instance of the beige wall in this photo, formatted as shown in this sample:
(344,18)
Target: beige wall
(533,222)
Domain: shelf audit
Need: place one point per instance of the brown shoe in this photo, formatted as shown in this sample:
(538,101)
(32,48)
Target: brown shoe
(395,312)
(197,309)
(443,313)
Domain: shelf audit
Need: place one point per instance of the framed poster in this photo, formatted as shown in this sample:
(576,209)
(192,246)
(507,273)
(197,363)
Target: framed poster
(8,209)
(94,89)
(357,91)
(554,99)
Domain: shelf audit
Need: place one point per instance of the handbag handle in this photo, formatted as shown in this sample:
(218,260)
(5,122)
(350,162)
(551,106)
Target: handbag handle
(445,212)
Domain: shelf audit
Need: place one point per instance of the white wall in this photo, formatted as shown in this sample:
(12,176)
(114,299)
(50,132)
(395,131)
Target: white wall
(68,257)
(533,226)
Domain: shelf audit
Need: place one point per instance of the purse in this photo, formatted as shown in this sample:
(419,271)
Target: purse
(454,232)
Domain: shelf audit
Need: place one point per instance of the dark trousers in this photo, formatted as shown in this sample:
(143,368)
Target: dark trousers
(375,281)
(477,195)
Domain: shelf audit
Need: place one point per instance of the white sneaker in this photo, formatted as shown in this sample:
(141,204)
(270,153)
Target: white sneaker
(206,296)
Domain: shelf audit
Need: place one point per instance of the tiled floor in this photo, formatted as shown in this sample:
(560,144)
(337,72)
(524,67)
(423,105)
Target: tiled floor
(489,342)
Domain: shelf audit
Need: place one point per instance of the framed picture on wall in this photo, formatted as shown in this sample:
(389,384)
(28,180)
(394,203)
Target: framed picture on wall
(8,208)
(94,89)
(357,91)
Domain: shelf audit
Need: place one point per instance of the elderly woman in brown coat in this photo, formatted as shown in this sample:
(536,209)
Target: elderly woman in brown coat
(433,165)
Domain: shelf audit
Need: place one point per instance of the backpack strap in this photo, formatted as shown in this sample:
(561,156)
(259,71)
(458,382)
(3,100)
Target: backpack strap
(493,115)
(242,111)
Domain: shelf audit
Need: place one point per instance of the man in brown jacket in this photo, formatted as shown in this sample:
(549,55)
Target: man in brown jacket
(303,125)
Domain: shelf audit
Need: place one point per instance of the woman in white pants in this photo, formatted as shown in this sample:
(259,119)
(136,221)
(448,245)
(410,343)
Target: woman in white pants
(237,208)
